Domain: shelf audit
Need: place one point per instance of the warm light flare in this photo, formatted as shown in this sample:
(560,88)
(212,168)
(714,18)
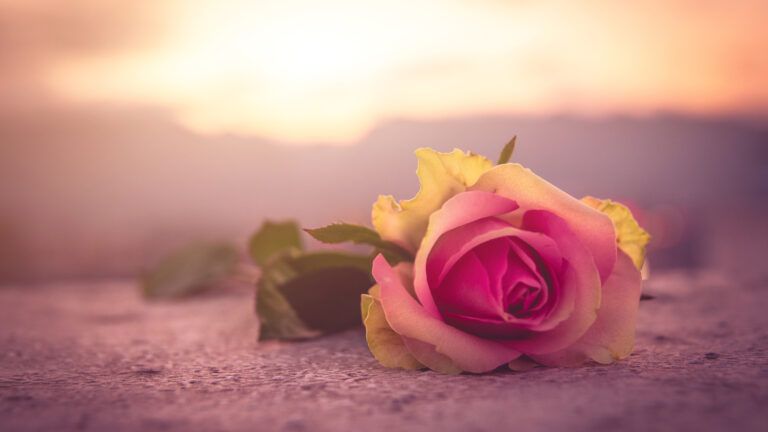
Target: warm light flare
(304,71)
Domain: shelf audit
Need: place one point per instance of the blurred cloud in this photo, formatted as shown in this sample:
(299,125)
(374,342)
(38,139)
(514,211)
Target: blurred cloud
(304,71)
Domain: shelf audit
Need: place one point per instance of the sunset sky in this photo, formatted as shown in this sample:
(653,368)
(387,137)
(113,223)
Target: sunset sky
(130,127)
(306,71)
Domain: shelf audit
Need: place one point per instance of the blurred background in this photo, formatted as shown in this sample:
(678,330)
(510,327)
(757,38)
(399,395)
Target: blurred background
(128,129)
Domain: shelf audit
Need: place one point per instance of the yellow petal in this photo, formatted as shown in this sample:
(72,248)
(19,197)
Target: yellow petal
(385,345)
(630,236)
(441,176)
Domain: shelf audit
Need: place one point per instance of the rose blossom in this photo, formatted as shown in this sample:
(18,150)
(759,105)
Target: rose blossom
(508,269)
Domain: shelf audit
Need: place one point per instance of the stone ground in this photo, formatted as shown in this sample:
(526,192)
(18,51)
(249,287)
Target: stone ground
(94,356)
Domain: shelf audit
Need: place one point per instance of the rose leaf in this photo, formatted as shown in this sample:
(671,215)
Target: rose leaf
(306,295)
(278,319)
(358,234)
(273,239)
(189,270)
(506,152)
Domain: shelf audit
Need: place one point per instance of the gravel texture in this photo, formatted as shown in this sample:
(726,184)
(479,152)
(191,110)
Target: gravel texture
(95,356)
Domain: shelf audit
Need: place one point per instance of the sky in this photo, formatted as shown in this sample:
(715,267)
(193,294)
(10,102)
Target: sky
(301,71)
(128,128)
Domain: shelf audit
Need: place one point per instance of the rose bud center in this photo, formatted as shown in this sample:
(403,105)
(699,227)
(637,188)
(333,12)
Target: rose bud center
(500,286)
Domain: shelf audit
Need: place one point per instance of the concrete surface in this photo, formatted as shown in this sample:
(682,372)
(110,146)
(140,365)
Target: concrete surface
(94,356)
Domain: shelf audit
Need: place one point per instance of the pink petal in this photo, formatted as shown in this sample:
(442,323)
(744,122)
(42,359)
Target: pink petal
(556,304)
(594,229)
(580,281)
(493,255)
(467,289)
(409,319)
(517,272)
(503,325)
(489,328)
(427,355)
(537,268)
(612,336)
(460,210)
(482,313)
(450,247)
(455,244)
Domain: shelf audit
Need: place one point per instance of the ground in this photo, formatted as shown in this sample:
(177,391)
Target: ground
(95,356)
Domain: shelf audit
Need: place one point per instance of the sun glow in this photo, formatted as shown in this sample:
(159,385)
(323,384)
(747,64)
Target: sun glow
(302,71)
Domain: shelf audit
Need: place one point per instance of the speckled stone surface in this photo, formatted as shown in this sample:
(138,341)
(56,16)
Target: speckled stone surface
(94,356)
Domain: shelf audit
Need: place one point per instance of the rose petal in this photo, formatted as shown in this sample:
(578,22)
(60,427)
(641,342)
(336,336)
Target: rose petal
(454,244)
(429,357)
(467,289)
(632,238)
(441,175)
(580,280)
(536,267)
(489,328)
(592,228)
(409,319)
(386,346)
(458,242)
(494,255)
(612,336)
(460,210)
(480,312)
(451,246)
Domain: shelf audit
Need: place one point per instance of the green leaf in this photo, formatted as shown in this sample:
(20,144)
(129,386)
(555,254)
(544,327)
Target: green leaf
(506,152)
(344,232)
(305,295)
(190,270)
(312,261)
(278,318)
(273,239)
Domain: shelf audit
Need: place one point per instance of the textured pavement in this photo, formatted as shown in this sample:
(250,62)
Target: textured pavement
(95,356)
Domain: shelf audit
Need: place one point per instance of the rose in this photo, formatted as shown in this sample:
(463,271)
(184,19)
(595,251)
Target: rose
(508,269)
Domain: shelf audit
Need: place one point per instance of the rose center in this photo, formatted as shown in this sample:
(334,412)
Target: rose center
(521,300)
(499,288)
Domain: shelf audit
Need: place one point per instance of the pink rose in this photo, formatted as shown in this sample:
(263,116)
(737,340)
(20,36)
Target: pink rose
(508,270)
